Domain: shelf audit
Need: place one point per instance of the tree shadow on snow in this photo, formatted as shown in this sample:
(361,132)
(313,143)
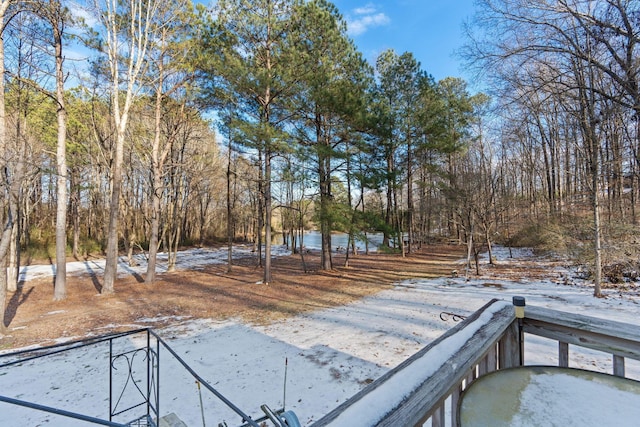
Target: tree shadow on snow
(17,299)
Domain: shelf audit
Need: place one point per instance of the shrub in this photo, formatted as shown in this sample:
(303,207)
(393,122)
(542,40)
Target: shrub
(545,237)
(573,238)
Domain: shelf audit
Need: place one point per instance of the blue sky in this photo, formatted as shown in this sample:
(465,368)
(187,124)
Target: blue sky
(430,29)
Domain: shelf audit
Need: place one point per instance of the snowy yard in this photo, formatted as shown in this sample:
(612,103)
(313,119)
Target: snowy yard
(331,354)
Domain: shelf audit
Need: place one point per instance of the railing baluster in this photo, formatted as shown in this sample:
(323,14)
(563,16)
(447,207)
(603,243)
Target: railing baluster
(437,419)
(563,354)
(111,408)
(618,366)
(157,378)
(149,368)
(470,377)
(455,398)
(483,365)
(492,359)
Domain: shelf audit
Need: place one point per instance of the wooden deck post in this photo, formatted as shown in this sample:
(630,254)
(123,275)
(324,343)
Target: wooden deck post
(509,348)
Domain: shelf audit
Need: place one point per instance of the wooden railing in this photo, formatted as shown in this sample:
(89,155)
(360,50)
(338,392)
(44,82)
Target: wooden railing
(620,340)
(425,389)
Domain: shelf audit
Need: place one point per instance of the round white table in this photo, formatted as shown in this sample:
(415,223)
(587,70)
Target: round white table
(550,396)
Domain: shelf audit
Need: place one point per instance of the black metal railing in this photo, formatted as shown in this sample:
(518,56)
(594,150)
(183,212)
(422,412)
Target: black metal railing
(134,378)
(148,396)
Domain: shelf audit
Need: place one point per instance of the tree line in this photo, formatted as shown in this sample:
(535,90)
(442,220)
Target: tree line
(564,75)
(183,124)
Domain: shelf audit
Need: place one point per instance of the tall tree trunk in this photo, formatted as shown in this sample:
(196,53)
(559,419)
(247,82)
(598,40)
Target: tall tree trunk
(13,260)
(6,211)
(398,222)
(410,218)
(111,262)
(325,215)
(229,210)
(597,232)
(487,238)
(267,217)
(13,182)
(156,183)
(266,122)
(589,121)
(138,28)
(60,286)
(3,291)
(74,203)
(324,178)
(351,238)
(469,246)
(260,222)
(390,187)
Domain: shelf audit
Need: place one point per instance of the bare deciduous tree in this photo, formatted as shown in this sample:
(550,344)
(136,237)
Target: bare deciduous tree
(126,44)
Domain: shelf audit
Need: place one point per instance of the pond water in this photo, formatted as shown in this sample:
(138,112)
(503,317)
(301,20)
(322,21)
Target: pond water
(312,240)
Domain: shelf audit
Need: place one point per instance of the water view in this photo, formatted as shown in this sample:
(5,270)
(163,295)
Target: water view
(312,240)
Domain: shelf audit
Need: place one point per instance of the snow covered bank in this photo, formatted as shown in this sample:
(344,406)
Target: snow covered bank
(191,259)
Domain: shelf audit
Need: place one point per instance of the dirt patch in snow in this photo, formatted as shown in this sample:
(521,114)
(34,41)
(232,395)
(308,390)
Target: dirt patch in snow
(32,317)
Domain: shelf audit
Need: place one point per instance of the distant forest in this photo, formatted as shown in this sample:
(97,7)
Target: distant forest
(149,125)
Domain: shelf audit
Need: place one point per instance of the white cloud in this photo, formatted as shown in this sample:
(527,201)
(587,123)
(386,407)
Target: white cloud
(83,13)
(367,17)
(366,10)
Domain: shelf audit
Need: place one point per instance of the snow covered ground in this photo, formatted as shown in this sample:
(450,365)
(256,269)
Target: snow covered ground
(191,259)
(331,354)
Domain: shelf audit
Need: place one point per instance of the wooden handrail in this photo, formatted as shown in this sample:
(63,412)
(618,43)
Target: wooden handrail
(617,338)
(621,340)
(421,384)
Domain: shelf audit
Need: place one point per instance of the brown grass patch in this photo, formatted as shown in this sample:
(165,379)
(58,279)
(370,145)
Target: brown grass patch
(213,293)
